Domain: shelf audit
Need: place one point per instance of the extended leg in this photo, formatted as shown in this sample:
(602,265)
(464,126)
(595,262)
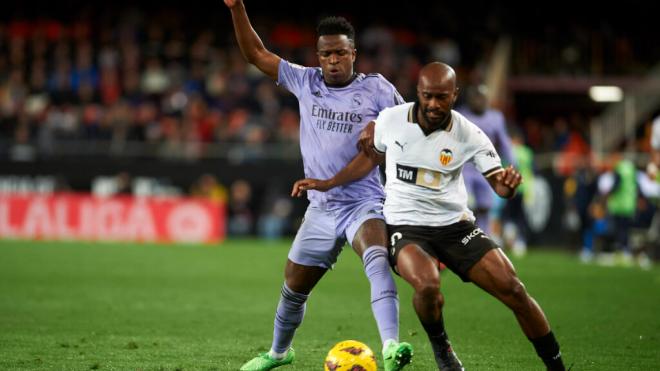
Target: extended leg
(420,271)
(369,242)
(300,280)
(495,274)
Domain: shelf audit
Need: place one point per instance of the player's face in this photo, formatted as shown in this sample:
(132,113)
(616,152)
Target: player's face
(436,100)
(336,57)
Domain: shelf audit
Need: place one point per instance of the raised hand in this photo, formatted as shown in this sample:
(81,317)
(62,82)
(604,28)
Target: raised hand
(510,177)
(307,184)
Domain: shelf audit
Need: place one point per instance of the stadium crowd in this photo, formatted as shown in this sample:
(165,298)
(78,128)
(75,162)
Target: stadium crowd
(178,87)
(137,76)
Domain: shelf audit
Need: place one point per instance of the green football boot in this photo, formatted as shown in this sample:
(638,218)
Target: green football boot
(397,355)
(264,362)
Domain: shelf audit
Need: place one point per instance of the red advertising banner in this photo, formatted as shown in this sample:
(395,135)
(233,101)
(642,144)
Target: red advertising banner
(69,216)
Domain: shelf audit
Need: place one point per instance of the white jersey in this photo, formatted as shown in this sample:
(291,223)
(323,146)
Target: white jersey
(424,178)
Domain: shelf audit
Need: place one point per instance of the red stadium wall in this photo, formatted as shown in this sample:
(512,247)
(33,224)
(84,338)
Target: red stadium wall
(72,216)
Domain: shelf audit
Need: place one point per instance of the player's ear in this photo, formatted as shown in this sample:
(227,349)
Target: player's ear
(456,91)
(353,54)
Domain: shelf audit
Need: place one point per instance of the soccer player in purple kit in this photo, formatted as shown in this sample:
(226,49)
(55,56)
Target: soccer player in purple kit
(335,104)
(493,124)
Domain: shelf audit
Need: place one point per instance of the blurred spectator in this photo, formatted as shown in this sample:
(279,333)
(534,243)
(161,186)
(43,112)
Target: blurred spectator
(580,189)
(622,203)
(572,147)
(492,123)
(446,50)
(21,149)
(165,82)
(207,186)
(601,231)
(241,217)
(123,184)
(154,78)
(78,71)
(275,218)
(515,228)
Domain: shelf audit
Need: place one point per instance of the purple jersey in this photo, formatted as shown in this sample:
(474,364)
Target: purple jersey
(330,123)
(492,123)
(494,126)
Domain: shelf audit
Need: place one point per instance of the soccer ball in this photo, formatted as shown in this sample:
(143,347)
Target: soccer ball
(350,355)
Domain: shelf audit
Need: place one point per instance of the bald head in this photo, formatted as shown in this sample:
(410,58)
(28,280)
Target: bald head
(436,94)
(437,75)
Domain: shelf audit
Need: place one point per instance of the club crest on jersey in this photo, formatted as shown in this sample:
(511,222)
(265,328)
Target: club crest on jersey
(445,156)
(356,100)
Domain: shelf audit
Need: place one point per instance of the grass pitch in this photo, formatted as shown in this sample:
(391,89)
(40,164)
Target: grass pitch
(82,306)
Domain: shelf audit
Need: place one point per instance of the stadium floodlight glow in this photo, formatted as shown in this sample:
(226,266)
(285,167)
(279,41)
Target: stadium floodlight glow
(606,93)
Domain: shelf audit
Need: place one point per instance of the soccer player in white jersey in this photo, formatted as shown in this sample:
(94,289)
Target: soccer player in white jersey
(426,145)
(335,105)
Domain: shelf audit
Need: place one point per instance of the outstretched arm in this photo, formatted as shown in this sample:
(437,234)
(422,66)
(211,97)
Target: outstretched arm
(505,182)
(359,167)
(251,46)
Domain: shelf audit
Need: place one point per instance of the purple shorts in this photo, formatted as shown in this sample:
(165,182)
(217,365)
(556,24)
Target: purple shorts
(324,231)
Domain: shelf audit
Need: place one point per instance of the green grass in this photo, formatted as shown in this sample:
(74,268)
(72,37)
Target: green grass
(82,306)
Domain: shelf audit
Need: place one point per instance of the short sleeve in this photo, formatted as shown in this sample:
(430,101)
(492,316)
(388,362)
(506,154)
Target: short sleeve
(379,131)
(388,95)
(291,76)
(486,159)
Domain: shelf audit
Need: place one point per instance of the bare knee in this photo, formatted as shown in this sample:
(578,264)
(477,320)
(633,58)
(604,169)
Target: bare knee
(429,293)
(514,294)
(300,278)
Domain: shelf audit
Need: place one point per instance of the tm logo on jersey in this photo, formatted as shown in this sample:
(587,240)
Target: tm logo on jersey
(445,156)
(422,177)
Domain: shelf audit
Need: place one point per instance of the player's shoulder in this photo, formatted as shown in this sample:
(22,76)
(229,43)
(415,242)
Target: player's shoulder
(392,119)
(313,77)
(288,68)
(465,129)
(376,79)
(461,122)
(373,75)
(294,66)
(398,112)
